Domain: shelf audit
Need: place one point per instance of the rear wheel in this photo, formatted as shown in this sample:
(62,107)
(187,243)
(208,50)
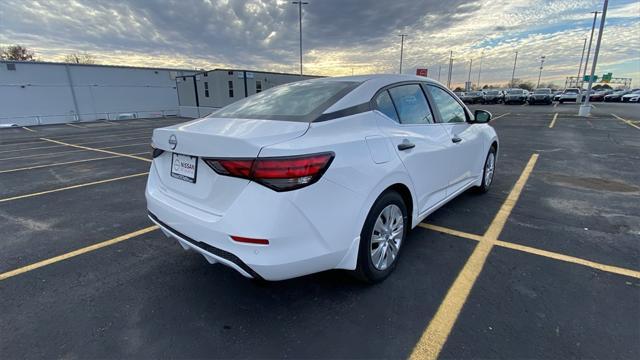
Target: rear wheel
(489,171)
(382,237)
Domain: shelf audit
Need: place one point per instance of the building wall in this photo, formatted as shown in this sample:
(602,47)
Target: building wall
(217,84)
(37,92)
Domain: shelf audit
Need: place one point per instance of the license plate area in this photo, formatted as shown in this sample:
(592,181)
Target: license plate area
(184,167)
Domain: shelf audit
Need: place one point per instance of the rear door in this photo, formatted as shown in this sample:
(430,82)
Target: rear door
(406,117)
(465,147)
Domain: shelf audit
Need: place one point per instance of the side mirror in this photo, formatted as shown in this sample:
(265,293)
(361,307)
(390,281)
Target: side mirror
(481,116)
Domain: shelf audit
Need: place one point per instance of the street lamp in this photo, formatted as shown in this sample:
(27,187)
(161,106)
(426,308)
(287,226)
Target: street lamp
(586,63)
(585,109)
(513,74)
(540,73)
(480,70)
(300,3)
(402,36)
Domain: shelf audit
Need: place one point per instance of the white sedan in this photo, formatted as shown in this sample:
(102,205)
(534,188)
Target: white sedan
(321,174)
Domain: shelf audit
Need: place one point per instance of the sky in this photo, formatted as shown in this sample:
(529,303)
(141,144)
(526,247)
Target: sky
(340,37)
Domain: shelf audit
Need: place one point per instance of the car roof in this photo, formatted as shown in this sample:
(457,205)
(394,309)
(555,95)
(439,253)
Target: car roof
(369,85)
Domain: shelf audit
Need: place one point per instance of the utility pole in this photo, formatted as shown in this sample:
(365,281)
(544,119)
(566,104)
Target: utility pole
(402,36)
(480,71)
(581,58)
(540,73)
(439,71)
(513,74)
(450,69)
(468,85)
(300,3)
(593,28)
(585,109)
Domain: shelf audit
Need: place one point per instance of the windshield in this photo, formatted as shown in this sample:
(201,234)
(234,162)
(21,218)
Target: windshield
(298,101)
(542,91)
(515,92)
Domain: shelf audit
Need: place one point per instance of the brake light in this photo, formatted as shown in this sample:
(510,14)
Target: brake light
(250,240)
(277,173)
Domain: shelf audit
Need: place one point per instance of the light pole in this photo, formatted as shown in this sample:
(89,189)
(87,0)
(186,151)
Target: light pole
(468,85)
(586,63)
(450,69)
(585,109)
(540,73)
(513,74)
(439,71)
(402,36)
(300,3)
(581,58)
(480,71)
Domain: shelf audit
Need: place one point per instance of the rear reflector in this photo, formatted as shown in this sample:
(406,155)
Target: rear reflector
(277,173)
(250,240)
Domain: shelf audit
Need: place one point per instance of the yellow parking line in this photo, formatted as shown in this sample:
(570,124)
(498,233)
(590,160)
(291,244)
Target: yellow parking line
(65,163)
(71,187)
(75,253)
(499,116)
(26,128)
(76,126)
(436,334)
(70,151)
(531,250)
(82,143)
(555,105)
(553,122)
(98,150)
(628,122)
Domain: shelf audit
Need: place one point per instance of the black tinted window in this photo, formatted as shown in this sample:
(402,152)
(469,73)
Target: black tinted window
(385,106)
(450,110)
(411,104)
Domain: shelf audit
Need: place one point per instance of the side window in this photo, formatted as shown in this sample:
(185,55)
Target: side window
(385,105)
(411,104)
(450,110)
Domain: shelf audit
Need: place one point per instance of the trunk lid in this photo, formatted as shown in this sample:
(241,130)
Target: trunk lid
(215,138)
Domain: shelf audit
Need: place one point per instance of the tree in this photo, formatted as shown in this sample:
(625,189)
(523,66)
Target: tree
(602,87)
(80,58)
(17,53)
(527,85)
(458,89)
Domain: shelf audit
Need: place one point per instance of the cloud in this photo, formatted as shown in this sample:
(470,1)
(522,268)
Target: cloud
(340,36)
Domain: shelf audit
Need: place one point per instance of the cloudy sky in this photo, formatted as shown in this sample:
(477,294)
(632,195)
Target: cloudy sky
(340,36)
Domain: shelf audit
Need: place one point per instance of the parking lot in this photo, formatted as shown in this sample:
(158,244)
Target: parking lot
(545,265)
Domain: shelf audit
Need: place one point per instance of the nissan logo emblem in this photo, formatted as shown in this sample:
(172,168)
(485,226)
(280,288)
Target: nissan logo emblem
(173,141)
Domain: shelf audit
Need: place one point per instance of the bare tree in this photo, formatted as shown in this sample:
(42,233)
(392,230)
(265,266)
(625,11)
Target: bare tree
(80,58)
(17,53)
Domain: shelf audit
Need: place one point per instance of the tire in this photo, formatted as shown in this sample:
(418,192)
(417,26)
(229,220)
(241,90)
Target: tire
(561,101)
(488,180)
(370,268)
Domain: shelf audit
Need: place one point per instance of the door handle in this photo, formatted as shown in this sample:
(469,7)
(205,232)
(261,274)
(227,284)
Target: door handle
(456,139)
(406,145)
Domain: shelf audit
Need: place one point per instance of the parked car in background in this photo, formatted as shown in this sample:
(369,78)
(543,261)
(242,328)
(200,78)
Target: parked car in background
(541,96)
(473,97)
(556,95)
(516,96)
(272,185)
(569,95)
(493,96)
(632,96)
(459,94)
(616,96)
(599,95)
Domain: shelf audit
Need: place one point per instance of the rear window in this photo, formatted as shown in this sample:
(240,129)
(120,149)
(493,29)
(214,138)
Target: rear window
(298,101)
(542,91)
(492,93)
(515,92)
(571,91)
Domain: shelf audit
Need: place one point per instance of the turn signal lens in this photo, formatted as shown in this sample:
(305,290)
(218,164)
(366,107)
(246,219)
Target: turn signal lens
(277,173)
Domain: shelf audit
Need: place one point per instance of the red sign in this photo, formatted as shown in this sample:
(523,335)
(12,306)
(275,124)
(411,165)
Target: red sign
(421,72)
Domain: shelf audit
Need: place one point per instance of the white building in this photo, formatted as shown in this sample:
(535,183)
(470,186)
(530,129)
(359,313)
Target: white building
(44,93)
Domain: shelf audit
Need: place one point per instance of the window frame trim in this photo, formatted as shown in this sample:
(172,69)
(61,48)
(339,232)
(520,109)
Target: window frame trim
(374,105)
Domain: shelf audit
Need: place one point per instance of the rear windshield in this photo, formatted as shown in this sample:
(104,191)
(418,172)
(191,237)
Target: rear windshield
(298,101)
(492,92)
(514,92)
(542,91)
(571,91)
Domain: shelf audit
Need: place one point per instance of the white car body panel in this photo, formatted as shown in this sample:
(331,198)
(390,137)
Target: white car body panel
(317,227)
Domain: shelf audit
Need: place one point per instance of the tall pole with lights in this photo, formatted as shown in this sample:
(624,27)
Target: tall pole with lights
(585,109)
(513,74)
(586,63)
(480,70)
(300,3)
(584,46)
(450,69)
(402,36)
(540,73)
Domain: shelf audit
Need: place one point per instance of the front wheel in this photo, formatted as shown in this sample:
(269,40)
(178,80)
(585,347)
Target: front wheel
(382,237)
(489,171)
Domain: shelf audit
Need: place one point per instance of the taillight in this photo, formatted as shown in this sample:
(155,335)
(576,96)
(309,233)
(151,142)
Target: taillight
(277,173)
(155,152)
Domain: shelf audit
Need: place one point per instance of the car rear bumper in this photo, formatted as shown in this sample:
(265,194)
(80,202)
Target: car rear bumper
(301,241)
